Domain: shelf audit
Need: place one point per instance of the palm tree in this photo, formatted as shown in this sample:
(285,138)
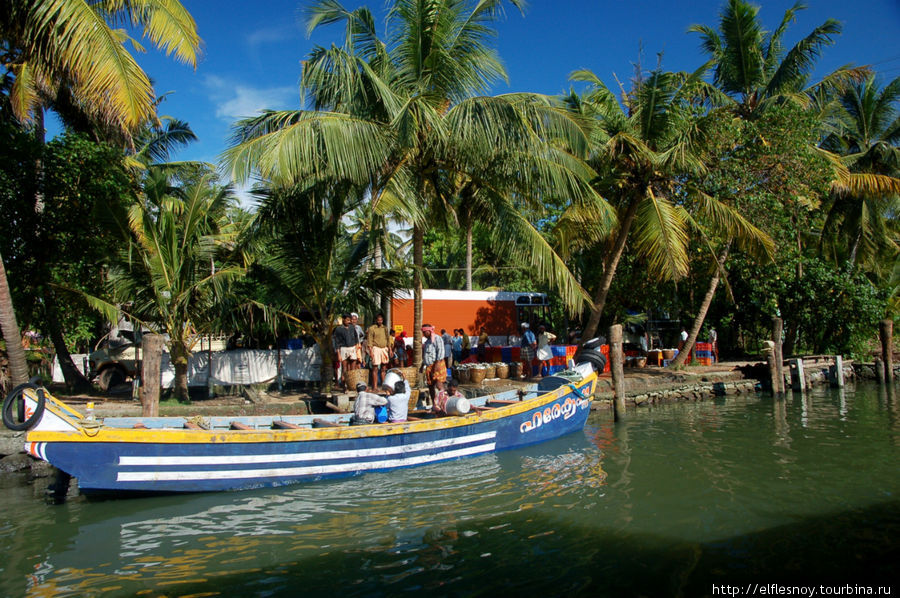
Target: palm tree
(751,65)
(865,132)
(643,147)
(66,52)
(404,119)
(177,265)
(311,266)
(753,69)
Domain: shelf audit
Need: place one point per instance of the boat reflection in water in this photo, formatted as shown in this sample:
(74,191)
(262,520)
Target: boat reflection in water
(173,541)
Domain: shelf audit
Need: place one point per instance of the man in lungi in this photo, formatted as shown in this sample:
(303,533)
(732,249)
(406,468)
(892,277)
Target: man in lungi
(378,340)
(529,348)
(433,361)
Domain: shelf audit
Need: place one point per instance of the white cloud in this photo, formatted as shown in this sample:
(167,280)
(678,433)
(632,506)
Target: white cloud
(234,101)
(271,35)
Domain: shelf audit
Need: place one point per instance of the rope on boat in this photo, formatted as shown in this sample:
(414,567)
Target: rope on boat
(90,425)
(577,392)
(202,422)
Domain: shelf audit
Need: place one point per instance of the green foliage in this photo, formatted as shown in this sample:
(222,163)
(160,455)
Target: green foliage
(68,241)
(835,310)
(308,268)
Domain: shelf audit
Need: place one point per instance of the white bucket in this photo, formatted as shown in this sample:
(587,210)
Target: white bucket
(458,406)
(391,379)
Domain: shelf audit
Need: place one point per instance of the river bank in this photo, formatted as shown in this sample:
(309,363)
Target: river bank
(643,387)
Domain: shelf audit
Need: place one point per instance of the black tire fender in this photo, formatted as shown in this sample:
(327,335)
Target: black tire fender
(15,397)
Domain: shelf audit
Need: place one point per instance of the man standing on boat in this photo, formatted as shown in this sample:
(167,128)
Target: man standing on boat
(433,360)
(379,344)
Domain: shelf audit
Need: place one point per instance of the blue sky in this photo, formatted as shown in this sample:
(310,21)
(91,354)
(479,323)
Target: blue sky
(252,50)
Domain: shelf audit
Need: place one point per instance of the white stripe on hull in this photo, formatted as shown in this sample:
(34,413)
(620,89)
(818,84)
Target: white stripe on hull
(154,476)
(319,456)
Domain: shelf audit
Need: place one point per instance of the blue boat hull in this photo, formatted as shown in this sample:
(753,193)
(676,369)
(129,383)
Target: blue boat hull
(180,464)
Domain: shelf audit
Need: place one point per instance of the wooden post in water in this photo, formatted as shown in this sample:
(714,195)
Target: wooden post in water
(616,367)
(773,369)
(886,331)
(879,370)
(837,376)
(777,330)
(150,376)
(798,378)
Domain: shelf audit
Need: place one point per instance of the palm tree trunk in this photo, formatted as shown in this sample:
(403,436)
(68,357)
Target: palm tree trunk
(326,370)
(418,265)
(75,380)
(469,256)
(609,271)
(18,366)
(377,262)
(853,251)
(179,354)
(704,308)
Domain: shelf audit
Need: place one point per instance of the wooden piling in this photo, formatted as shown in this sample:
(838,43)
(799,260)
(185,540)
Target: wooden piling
(777,333)
(886,331)
(773,370)
(150,374)
(837,375)
(879,370)
(616,367)
(798,378)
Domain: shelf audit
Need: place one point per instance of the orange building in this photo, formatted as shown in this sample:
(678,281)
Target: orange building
(500,312)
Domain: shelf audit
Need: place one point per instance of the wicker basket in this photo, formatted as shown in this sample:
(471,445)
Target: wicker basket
(515,370)
(477,375)
(409,374)
(503,371)
(354,377)
(462,375)
(413,399)
(668,353)
(490,371)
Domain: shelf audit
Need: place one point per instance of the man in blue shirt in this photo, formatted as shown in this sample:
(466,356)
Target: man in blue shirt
(529,347)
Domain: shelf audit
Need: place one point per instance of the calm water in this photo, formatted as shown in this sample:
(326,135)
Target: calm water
(681,497)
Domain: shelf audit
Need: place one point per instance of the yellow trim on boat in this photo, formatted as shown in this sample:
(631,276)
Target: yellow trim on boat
(178,436)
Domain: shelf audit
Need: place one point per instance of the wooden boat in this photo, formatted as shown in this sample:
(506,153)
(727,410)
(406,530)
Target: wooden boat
(172,454)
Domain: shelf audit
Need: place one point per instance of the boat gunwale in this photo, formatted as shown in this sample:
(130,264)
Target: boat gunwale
(185,436)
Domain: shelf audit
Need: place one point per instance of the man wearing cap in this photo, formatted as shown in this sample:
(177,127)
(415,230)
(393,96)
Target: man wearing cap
(379,343)
(529,346)
(364,406)
(433,360)
(345,342)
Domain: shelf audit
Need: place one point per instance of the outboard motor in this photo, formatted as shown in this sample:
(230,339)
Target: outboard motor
(590,353)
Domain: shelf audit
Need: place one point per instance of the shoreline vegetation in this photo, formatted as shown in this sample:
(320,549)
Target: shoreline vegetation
(717,196)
